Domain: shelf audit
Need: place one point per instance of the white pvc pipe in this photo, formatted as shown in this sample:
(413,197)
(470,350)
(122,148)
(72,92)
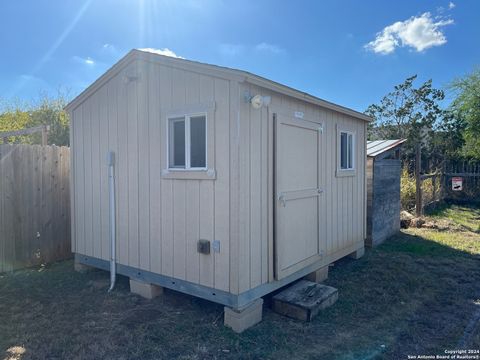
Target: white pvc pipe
(111,192)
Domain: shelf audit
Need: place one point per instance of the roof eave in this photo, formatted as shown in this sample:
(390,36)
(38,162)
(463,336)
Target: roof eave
(286,90)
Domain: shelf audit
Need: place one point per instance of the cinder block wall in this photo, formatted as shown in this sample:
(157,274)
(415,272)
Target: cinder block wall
(383,220)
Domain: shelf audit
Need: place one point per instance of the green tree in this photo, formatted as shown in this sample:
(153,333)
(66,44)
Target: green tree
(466,109)
(44,111)
(407,112)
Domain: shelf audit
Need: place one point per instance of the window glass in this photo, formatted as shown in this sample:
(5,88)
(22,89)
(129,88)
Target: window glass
(343,150)
(177,142)
(198,142)
(350,151)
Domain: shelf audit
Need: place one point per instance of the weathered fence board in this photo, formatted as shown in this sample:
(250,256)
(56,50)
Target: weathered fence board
(34,205)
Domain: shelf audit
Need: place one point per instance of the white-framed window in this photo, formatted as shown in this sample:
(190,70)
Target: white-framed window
(347,150)
(187,142)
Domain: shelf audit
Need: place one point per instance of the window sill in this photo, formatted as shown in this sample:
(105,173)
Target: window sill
(209,174)
(346,173)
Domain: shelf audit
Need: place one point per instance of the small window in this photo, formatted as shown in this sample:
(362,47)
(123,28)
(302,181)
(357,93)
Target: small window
(346,151)
(187,139)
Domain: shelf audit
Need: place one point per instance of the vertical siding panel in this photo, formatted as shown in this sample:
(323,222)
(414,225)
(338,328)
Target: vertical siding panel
(255,196)
(206,197)
(356,205)
(340,194)
(143,167)
(343,198)
(179,201)
(327,131)
(112,89)
(333,200)
(221,185)
(123,179)
(346,195)
(132,166)
(167,227)
(192,231)
(323,183)
(71,185)
(192,210)
(88,200)
(104,148)
(264,198)
(95,179)
(269,199)
(351,184)
(79,182)
(165,90)
(244,203)
(179,235)
(155,170)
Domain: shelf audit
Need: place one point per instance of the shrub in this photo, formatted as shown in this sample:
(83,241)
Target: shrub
(407,190)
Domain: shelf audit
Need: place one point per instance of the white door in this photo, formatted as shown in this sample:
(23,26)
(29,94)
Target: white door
(297,194)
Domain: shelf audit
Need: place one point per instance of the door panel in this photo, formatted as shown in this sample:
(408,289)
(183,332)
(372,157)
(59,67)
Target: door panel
(297,192)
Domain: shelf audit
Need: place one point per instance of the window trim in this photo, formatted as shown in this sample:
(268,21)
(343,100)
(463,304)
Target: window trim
(188,111)
(349,171)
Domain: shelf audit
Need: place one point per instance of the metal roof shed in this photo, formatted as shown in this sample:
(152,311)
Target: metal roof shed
(228,185)
(383,190)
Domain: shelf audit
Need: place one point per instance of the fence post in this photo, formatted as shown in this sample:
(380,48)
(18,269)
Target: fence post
(45,130)
(418,181)
(434,189)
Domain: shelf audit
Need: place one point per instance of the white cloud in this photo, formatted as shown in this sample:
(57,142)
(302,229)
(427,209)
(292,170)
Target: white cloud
(164,51)
(87,61)
(418,32)
(451,5)
(231,49)
(269,47)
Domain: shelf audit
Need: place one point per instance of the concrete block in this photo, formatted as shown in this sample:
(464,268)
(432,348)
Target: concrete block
(318,276)
(146,290)
(357,254)
(241,319)
(81,267)
(304,300)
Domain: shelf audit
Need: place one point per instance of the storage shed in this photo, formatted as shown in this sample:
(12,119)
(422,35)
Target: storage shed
(383,190)
(228,186)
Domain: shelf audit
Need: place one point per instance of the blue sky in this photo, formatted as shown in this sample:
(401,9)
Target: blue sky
(348,52)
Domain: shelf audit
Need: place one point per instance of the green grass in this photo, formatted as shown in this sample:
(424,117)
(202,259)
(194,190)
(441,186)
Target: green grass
(467,216)
(415,294)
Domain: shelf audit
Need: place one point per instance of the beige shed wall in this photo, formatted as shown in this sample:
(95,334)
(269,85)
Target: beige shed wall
(159,221)
(342,209)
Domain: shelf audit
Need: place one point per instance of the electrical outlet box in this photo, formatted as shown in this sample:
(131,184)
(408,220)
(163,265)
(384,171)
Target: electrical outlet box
(216,246)
(203,246)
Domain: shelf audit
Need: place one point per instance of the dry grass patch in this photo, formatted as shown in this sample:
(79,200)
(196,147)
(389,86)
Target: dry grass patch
(416,294)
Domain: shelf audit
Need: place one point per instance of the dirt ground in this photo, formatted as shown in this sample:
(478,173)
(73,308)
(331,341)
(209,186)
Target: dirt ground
(417,294)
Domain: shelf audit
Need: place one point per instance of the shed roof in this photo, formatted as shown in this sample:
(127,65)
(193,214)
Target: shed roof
(240,75)
(377,147)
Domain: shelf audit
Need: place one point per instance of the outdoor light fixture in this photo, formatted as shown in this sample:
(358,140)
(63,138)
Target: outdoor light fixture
(257,101)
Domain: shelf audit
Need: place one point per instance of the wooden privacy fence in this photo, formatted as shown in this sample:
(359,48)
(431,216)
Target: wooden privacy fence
(34,205)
